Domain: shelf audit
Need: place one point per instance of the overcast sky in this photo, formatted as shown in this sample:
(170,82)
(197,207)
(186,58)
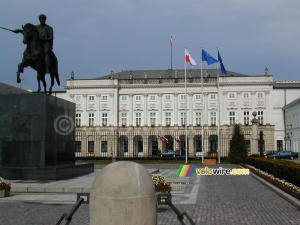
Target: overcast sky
(94,37)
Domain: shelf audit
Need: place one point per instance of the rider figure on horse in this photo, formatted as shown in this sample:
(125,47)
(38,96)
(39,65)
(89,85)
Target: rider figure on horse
(46,35)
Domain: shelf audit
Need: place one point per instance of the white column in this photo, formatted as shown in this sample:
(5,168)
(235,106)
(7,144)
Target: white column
(159,116)
(268,107)
(97,107)
(112,114)
(130,110)
(145,109)
(84,116)
(205,112)
(175,109)
(190,109)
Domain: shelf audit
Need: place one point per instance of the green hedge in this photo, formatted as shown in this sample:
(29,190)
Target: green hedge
(282,169)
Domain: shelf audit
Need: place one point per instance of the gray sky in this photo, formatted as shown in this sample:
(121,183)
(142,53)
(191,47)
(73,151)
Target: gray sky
(94,37)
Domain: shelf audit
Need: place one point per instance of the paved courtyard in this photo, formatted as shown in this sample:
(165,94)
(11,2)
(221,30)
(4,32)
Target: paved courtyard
(207,200)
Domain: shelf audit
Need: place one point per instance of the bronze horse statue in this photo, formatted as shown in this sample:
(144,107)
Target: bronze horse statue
(34,57)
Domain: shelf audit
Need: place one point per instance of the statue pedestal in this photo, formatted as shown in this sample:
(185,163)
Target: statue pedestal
(37,138)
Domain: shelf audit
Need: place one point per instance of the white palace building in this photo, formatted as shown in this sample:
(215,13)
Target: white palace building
(143,113)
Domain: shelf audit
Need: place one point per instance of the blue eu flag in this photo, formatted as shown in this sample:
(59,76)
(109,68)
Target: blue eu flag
(208,58)
(223,70)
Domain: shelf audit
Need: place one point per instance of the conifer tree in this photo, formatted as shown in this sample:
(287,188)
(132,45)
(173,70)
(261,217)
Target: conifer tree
(238,149)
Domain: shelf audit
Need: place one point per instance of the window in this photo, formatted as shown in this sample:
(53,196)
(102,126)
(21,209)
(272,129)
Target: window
(140,145)
(77,146)
(231,95)
(91,119)
(182,96)
(198,118)
(124,97)
(138,98)
(279,145)
(125,147)
(91,146)
(260,95)
(213,97)
(78,119)
(152,97)
(198,96)
(152,119)
(103,146)
(168,118)
(231,118)
(104,97)
(78,98)
(182,118)
(213,118)
(260,117)
(124,119)
(138,119)
(167,97)
(198,143)
(246,95)
(104,119)
(246,117)
(248,145)
(91,97)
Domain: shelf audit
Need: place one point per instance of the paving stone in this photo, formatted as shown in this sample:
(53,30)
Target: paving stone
(231,200)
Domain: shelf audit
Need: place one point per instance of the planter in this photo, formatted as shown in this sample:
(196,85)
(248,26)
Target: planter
(4,193)
(276,184)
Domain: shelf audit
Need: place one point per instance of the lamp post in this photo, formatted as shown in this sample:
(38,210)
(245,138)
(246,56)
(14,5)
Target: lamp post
(289,136)
(288,139)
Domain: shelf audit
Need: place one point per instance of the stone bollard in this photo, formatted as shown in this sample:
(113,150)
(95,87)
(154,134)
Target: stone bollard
(123,193)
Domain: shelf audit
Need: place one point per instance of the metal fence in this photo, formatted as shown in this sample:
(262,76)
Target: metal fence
(155,144)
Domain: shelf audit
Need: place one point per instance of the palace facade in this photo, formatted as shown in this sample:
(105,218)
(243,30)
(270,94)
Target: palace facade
(145,113)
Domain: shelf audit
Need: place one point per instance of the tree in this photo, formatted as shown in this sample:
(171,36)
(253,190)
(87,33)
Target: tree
(238,148)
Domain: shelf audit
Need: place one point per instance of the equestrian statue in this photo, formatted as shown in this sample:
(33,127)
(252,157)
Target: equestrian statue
(38,53)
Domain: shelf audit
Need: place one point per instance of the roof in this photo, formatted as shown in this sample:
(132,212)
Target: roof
(8,89)
(154,74)
(286,84)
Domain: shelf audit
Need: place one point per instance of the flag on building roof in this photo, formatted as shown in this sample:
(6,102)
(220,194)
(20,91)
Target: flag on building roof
(223,70)
(208,58)
(189,59)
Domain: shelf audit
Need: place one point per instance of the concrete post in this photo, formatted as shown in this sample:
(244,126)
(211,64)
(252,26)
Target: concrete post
(123,193)
(254,145)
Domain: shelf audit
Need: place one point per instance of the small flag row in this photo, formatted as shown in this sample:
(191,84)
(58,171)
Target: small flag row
(164,139)
(205,57)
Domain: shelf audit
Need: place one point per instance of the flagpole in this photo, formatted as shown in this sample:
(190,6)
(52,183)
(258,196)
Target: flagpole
(185,118)
(218,86)
(171,43)
(202,106)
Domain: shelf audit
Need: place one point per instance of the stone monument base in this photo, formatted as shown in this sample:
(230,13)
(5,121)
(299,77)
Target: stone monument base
(37,138)
(47,173)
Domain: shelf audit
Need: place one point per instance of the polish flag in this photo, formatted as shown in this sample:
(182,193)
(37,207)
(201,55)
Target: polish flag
(171,41)
(163,139)
(189,59)
(177,139)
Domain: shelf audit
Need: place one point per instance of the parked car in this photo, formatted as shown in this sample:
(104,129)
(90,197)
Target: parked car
(267,153)
(170,153)
(284,155)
